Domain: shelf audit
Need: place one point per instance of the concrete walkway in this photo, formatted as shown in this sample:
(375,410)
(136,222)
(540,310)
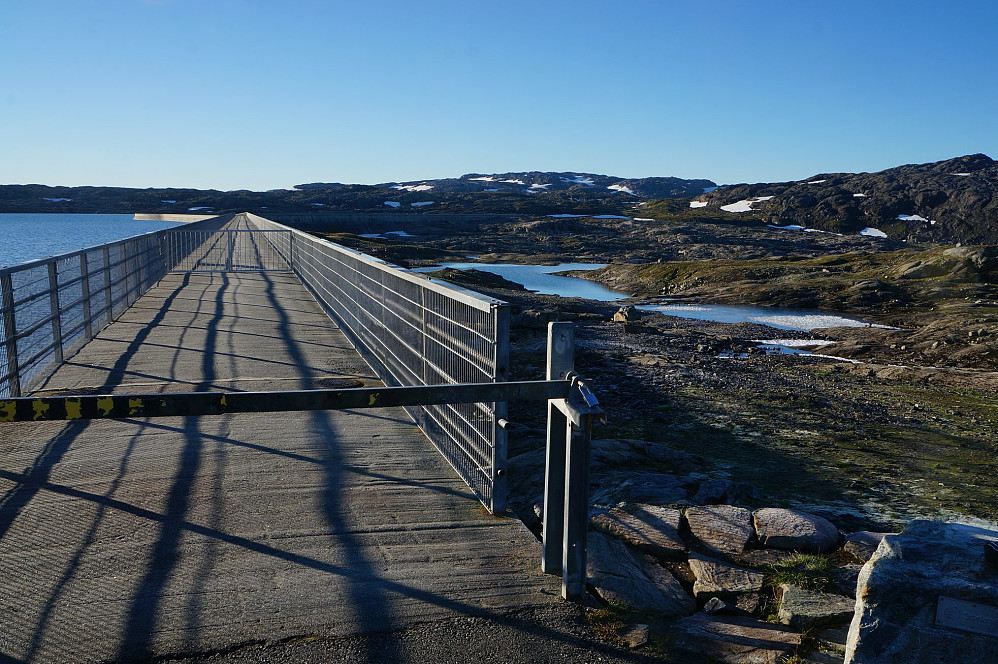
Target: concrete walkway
(129,539)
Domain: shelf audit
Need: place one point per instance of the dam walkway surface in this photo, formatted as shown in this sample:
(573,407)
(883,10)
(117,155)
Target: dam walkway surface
(138,538)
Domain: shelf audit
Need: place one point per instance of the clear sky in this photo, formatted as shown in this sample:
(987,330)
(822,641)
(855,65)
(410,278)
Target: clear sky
(262,94)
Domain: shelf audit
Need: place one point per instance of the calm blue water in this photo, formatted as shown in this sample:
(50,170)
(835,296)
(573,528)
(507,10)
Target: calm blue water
(539,278)
(25,237)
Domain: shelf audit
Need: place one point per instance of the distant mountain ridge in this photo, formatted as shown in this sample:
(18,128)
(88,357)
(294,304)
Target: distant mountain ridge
(532,182)
(951,200)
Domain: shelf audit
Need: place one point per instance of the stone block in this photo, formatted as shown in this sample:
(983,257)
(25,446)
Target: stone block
(644,527)
(794,530)
(723,528)
(716,578)
(735,639)
(805,609)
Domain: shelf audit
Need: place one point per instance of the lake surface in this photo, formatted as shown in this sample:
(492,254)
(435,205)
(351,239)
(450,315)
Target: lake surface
(25,237)
(539,278)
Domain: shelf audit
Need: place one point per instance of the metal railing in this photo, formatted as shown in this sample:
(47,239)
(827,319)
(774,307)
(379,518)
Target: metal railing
(224,250)
(414,330)
(50,307)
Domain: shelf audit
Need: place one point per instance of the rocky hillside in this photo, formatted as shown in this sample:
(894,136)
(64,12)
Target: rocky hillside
(947,201)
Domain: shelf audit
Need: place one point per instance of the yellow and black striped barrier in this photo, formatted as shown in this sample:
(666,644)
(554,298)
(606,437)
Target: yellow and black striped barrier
(181,404)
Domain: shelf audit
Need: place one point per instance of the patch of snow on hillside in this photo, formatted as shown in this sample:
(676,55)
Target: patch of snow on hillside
(963,175)
(171,202)
(392,203)
(707,190)
(621,189)
(912,217)
(859,195)
(57,200)
(698,204)
(513,181)
(795,227)
(319,204)
(487,178)
(540,186)
(794,343)
(421,203)
(872,232)
(815,181)
(643,219)
(413,187)
(744,205)
(194,209)
(579,179)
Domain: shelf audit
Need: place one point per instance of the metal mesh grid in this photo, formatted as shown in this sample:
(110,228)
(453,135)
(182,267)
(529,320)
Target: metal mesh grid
(416,331)
(225,250)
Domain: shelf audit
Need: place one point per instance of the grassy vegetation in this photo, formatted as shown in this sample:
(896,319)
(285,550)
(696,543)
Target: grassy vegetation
(803,570)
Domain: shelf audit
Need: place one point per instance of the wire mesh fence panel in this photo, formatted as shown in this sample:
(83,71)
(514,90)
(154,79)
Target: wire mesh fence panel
(226,250)
(414,330)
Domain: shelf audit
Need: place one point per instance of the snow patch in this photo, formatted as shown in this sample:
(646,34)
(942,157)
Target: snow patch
(540,186)
(57,200)
(621,189)
(513,181)
(859,195)
(487,178)
(171,202)
(579,179)
(318,204)
(794,343)
(815,181)
(413,187)
(393,204)
(421,203)
(642,219)
(872,232)
(194,209)
(744,205)
(698,204)
(963,175)
(912,217)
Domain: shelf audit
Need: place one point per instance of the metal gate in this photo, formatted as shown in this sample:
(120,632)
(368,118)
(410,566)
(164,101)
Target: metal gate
(225,250)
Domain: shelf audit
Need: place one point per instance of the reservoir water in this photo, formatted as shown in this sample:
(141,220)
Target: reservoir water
(539,278)
(25,237)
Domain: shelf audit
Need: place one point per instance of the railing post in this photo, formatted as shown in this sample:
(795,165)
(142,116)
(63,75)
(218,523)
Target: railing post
(231,248)
(54,306)
(10,336)
(560,362)
(108,299)
(500,314)
(291,250)
(573,573)
(88,325)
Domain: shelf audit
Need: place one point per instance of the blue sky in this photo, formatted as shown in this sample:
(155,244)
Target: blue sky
(260,94)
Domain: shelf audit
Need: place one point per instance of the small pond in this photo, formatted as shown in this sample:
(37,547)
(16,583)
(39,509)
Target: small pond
(539,278)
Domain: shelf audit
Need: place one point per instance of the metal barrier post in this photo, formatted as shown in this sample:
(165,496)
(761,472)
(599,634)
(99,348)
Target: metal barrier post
(10,335)
(573,573)
(85,291)
(54,305)
(228,254)
(560,362)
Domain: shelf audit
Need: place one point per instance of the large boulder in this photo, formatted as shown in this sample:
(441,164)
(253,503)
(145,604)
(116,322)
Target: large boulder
(794,530)
(636,581)
(863,543)
(735,639)
(723,528)
(928,595)
(645,527)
